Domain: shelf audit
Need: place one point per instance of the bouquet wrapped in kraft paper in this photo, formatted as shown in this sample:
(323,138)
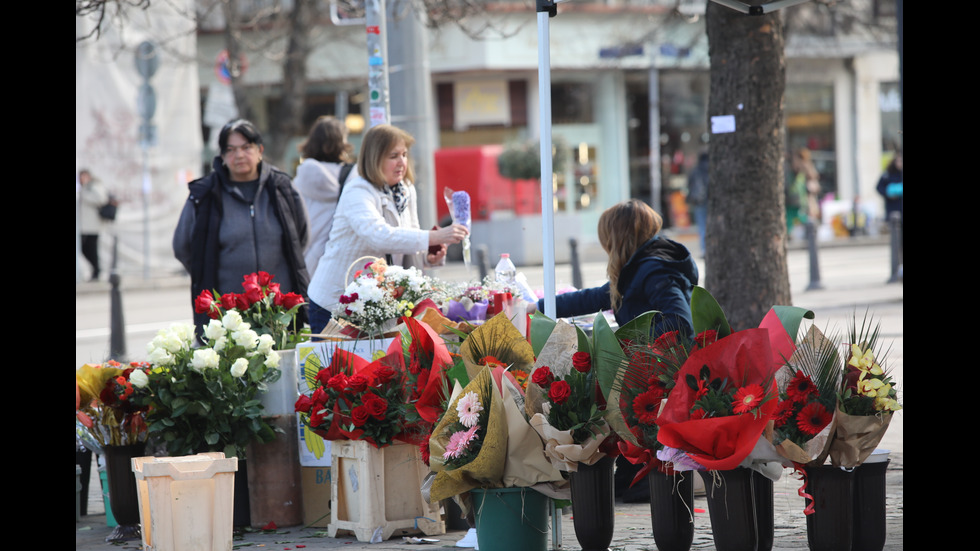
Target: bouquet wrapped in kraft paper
(484,441)
(565,402)
(867,401)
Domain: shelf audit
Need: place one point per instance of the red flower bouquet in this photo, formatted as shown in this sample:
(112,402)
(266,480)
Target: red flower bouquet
(262,304)
(700,416)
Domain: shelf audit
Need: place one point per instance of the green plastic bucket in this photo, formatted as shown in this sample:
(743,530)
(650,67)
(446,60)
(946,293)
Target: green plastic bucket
(511,519)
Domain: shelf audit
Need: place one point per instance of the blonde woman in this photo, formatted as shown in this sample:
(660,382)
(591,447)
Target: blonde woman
(646,272)
(377,215)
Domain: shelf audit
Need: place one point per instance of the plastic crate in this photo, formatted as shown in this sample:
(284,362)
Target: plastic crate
(379,491)
(186,503)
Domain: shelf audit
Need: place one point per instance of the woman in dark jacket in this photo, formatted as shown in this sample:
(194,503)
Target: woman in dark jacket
(646,272)
(242,218)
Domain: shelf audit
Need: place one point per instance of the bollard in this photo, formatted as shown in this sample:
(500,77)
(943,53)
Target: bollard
(811,241)
(576,263)
(117,334)
(482,263)
(895,229)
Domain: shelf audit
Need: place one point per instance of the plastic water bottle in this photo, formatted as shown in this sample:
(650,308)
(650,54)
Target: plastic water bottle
(506,272)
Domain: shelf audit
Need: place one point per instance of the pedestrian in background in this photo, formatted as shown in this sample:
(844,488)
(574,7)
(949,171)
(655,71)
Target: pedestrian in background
(319,179)
(243,217)
(93,196)
(890,188)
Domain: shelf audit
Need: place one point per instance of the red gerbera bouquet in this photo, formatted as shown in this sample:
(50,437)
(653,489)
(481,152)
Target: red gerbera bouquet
(262,304)
(807,398)
(648,375)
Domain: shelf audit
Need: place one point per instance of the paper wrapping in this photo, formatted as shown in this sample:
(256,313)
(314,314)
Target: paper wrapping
(855,437)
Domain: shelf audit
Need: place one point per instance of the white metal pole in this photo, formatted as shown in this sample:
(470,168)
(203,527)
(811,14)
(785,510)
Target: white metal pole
(547,189)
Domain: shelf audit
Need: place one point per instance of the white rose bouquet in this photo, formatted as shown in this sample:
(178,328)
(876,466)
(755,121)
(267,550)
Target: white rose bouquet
(379,294)
(204,399)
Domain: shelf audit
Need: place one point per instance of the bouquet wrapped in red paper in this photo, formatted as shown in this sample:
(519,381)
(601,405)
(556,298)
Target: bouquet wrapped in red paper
(724,398)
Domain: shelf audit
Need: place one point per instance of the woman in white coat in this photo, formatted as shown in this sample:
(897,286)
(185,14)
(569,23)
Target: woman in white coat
(319,180)
(377,216)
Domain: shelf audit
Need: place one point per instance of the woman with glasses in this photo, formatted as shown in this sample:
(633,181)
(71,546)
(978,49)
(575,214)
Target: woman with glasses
(243,217)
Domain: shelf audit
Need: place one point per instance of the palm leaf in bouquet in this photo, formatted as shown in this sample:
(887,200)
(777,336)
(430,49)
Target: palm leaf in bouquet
(808,384)
(496,342)
(867,400)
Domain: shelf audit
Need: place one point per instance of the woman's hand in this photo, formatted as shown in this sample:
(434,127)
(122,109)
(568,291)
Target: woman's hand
(447,236)
(437,258)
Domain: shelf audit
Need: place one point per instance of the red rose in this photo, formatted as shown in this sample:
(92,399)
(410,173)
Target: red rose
(582,361)
(559,392)
(318,417)
(384,374)
(273,289)
(253,293)
(320,397)
(358,383)
(204,304)
(250,279)
(264,279)
(359,415)
(241,302)
(228,301)
(542,376)
(376,406)
(292,299)
(705,338)
(338,382)
(303,404)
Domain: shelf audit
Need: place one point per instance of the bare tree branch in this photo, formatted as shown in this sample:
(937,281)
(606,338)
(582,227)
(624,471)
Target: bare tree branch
(103,9)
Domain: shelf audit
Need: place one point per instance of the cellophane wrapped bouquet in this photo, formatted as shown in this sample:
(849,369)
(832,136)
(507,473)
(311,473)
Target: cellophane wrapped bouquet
(379,294)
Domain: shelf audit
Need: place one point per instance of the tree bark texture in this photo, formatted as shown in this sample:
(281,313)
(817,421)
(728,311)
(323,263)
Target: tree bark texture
(746,231)
(287,122)
(233,45)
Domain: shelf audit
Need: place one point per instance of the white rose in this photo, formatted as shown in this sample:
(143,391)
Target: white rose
(204,358)
(172,342)
(246,338)
(219,344)
(272,359)
(232,321)
(214,330)
(184,332)
(266,343)
(239,367)
(139,378)
(160,356)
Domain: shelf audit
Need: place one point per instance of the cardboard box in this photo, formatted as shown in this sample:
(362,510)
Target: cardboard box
(316,496)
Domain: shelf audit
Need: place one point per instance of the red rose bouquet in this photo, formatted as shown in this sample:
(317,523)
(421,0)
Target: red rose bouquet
(566,401)
(262,304)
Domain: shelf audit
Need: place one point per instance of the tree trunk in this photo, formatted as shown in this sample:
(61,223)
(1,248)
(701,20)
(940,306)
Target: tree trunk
(287,121)
(746,230)
(234,48)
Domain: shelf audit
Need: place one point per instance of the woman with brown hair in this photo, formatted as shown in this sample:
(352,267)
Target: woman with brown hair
(320,178)
(377,216)
(646,272)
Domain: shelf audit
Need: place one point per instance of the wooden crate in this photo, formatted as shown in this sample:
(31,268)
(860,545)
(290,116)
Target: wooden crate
(376,490)
(186,503)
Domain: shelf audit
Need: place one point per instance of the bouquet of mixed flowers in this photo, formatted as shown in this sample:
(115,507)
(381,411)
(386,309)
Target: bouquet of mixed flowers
(866,402)
(379,294)
(206,399)
(726,393)
(483,439)
(262,304)
(107,403)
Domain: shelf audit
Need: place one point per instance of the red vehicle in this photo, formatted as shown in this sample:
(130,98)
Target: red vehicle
(474,170)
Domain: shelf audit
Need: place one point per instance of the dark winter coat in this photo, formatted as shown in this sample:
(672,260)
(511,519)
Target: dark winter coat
(222,236)
(659,276)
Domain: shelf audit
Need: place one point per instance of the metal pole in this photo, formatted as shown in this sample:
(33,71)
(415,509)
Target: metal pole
(117,331)
(546,9)
(654,101)
(895,229)
(811,241)
(576,263)
(377,45)
(482,261)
